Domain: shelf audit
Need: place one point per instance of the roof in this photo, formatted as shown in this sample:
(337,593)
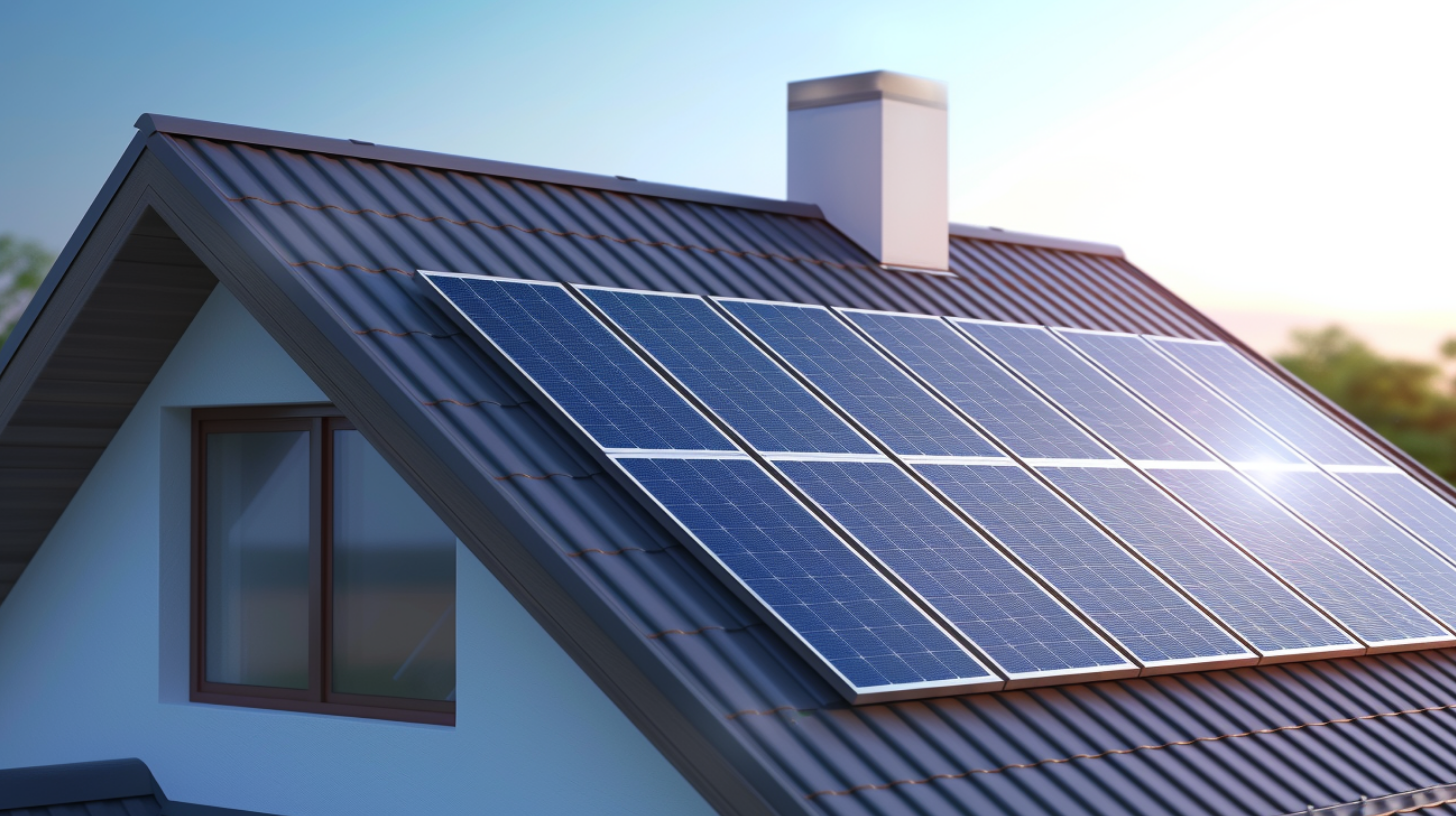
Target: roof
(318,238)
(116,787)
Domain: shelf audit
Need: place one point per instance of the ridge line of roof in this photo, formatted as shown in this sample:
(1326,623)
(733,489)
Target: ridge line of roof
(150,123)
(1002,236)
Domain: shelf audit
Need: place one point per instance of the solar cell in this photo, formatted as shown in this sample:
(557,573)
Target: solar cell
(1412,504)
(1004,406)
(1114,414)
(1400,559)
(1257,606)
(860,380)
(1011,618)
(1193,405)
(1326,576)
(1305,427)
(823,592)
(1126,599)
(597,380)
(724,369)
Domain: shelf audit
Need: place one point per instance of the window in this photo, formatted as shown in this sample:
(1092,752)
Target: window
(321,582)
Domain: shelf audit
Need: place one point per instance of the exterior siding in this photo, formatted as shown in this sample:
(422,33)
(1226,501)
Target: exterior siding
(93,647)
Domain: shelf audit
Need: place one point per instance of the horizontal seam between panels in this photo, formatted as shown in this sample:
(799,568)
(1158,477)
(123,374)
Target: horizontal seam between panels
(426,219)
(1113,752)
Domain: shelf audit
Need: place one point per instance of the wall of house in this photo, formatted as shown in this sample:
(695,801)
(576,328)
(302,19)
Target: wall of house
(93,652)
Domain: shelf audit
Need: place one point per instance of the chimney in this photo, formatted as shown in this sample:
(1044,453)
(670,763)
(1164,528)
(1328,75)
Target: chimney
(870,150)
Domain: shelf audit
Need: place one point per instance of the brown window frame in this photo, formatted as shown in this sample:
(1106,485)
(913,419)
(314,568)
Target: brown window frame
(320,421)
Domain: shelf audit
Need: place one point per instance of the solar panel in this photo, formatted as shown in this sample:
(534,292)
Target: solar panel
(1012,619)
(1341,587)
(860,380)
(1115,415)
(1256,605)
(977,385)
(596,380)
(1290,415)
(1409,565)
(1127,600)
(728,373)
(1412,504)
(1199,410)
(819,590)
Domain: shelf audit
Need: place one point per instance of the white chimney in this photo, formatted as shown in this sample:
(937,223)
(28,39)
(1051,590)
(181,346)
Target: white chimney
(870,150)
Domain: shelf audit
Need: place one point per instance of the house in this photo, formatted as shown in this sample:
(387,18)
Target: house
(236,363)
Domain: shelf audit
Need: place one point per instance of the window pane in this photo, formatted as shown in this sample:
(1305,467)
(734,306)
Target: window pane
(394,582)
(257,558)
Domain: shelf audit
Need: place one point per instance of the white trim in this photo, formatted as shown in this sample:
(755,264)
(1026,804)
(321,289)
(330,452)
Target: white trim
(671,453)
(1077,463)
(1276,467)
(1364,469)
(1180,464)
(809,456)
(933,459)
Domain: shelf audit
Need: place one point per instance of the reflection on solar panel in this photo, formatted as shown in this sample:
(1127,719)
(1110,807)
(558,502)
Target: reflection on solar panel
(861,381)
(1405,562)
(599,382)
(1368,608)
(1410,503)
(977,385)
(998,607)
(1126,599)
(728,373)
(1157,379)
(1224,580)
(1238,379)
(823,592)
(1115,415)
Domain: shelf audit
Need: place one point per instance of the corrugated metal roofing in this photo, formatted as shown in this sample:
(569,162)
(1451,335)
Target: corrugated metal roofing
(1261,741)
(1265,740)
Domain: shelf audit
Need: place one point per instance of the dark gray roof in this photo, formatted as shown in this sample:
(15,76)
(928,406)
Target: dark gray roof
(318,238)
(114,787)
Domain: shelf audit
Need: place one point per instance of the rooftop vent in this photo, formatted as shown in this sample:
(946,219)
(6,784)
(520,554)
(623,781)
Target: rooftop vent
(870,150)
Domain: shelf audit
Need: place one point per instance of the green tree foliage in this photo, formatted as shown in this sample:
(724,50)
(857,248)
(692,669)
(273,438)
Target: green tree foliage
(22,266)
(1409,402)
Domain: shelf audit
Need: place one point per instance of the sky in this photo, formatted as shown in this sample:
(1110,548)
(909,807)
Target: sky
(1281,163)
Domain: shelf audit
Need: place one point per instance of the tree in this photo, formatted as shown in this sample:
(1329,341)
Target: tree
(1408,402)
(22,266)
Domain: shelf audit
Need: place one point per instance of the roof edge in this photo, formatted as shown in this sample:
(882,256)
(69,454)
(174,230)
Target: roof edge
(150,123)
(1032,239)
(73,246)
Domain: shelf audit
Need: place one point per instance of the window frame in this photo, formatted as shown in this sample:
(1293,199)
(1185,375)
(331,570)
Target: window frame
(320,421)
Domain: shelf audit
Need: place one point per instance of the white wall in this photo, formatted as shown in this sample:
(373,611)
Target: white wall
(93,653)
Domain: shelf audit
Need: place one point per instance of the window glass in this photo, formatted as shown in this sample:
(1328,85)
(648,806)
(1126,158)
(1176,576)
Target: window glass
(257,560)
(394,582)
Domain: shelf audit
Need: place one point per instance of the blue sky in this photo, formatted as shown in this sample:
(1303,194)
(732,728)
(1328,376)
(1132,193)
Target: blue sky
(1264,159)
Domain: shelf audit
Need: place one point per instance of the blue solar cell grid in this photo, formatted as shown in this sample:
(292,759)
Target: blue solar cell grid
(1012,619)
(1400,559)
(1092,397)
(1005,407)
(1412,504)
(1201,411)
(861,625)
(852,373)
(1304,426)
(1147,616)
(729,373)
(1238,591)
(1353,596)
(603,385)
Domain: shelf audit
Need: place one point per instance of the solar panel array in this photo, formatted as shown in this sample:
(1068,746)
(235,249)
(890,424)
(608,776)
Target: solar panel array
(925,505)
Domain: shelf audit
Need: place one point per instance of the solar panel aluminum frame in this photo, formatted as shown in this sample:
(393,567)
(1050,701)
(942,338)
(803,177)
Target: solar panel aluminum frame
(607,458)
(1256,656)
(1213,463)
(770,458)
(1008,459)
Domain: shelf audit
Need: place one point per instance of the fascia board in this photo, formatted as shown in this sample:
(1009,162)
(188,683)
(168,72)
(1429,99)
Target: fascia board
(72,248)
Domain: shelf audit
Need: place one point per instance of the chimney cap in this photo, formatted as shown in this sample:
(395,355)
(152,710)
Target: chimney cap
(871,85)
